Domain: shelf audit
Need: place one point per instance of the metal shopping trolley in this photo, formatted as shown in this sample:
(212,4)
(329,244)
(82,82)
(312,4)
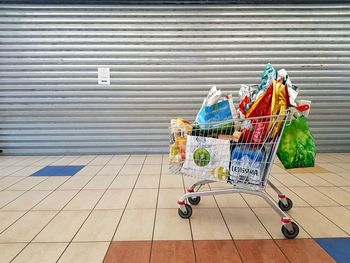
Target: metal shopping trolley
(240,152)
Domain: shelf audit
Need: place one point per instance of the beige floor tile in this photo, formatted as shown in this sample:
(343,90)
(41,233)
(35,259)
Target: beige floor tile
(146,181)
(109,170)
(27,183)
(101,160)
(297,201)
(9,217)
(136,159)
(347,188)
(277,169)
(90,170)
(85,199)
(315,223)
(168,197)
(114,199)
(130,169)
(5,171)
(337,194)
(12,160)
(274,181)
(143,198)
(169,226)
(48,160)
(99,182)
(154,159)
(122,182)
(8,196)
(313,197)
(188,181)
(85,252)
(345,175)
(9,251)
(150,169)
(118,160)
(333,168)
(27,200)
(130,230)
(231,200)
(243,224)
(56,200)
(41,252)
(22,231)
(100,226)
(207,202)
(30,160)
(272,222)
(69,221)
(255,201)
(83,160)
(65,160)
(27,171)
(334,179)
(338,215)
(171,181)
(312,180)
(75,183)
(51,183)
(166,169)
(289,180)
(8,181)
(165,158)
(208,224)
(343,165)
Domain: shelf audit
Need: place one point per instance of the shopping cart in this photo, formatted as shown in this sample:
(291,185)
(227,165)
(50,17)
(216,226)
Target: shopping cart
(212,153)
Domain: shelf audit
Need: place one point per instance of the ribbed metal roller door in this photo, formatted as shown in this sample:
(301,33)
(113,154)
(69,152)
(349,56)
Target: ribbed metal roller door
(163,60)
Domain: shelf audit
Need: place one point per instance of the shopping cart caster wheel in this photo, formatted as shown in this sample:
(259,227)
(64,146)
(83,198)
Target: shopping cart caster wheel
(293,234)
(194,200)
(285,207)
(186,214)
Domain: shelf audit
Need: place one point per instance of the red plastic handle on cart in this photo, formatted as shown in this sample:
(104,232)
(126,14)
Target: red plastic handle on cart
(303,107)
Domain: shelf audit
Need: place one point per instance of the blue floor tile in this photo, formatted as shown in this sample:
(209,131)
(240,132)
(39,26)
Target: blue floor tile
(338,248)
(69,170)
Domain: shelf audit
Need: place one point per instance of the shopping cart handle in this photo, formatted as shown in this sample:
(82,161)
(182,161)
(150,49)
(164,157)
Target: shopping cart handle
(303,107)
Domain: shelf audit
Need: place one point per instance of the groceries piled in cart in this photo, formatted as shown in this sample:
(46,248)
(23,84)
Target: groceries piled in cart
(235,140)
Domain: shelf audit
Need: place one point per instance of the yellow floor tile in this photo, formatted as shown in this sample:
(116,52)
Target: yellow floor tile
(27,200)
(153,159)
(9,251)
(338,215)
(75,183)
(315,223)
(41,252)
(130,169)
(8,196)
(123,182)
(9,217)
(312,179)
(337,194)
(171,181)
(169,226)
(136,159)
(143,198)
(272,222)
(89,170)
(100,226)
(85,252)
(297,201)
(63,227)
(149,169)
(56,200)
(99,182)
(208,224)
(334,179)
(21,231)
(168,197)
(114,199)
(27,183)
(146,181)
(109,170)
(231,200)
(8,181)
(51,183)
(255,201)
(118,160)
(85,199)
(129,229)
(243,224)
(289,180)
(313,197)
(101,160)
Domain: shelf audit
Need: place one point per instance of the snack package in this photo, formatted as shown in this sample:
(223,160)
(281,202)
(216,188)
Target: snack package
(179,131)
(207,158)
(269,75)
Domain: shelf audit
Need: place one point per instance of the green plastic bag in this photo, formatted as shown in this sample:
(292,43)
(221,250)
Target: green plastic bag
(297,147)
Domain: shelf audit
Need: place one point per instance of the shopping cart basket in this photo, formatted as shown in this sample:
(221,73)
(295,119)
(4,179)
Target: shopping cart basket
(212,153)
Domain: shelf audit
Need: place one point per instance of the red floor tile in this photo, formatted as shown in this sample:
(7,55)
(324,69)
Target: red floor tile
(216,251)
(129,251)
(172,251)
(260,251)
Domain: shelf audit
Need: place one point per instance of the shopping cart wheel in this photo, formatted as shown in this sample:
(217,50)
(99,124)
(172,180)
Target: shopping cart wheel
(293,234)
(194,200)
(285,207)
(186,214)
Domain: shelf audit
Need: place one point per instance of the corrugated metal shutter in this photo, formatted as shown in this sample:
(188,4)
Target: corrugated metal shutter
(163,60)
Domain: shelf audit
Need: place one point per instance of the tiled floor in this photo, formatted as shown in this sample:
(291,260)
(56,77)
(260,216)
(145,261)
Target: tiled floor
(123,209)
